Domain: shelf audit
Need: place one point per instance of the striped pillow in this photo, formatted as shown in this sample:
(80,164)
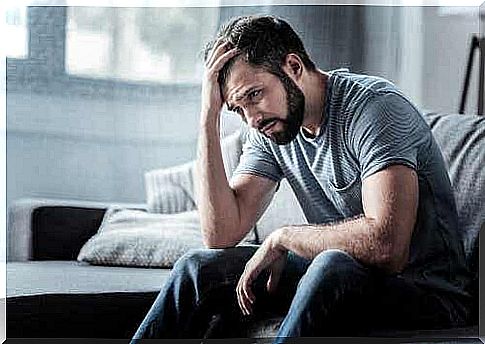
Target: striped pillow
(171,190)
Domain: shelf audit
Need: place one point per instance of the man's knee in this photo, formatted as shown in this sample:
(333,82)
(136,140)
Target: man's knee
(335,264)
(334,256)
(196,260)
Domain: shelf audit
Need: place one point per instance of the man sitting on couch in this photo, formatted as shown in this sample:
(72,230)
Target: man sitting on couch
(381,245)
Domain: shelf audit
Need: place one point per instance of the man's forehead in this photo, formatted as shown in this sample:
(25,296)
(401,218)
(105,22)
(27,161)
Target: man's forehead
(241,77)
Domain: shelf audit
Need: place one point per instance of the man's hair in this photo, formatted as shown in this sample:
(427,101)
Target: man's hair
(264,41)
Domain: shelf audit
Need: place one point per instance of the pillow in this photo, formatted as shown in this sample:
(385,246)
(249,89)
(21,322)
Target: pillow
(136,238)
(283,210)
(130,237)
(171,189)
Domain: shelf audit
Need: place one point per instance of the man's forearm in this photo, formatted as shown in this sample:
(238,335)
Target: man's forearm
(363,238)
(216,201)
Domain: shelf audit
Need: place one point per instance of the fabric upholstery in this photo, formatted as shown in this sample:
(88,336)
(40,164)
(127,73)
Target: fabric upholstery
(72,277)
(462,142)
(283,210)
(137,238)
(172,190)
(51,228)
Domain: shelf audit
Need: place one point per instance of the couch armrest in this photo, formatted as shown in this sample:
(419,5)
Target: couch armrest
(44,229)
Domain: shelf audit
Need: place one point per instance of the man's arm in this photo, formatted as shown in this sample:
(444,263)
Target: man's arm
(381,237)
(227,213)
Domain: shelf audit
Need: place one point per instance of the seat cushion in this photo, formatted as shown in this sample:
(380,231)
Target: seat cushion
(72,277)
(69,299)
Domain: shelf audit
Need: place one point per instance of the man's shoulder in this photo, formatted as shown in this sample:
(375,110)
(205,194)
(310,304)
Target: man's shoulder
(343,78)
(352,93)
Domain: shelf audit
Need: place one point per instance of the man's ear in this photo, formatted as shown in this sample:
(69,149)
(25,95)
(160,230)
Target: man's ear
(293,66)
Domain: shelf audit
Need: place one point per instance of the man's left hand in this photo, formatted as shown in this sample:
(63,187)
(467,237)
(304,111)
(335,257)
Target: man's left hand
(270,255)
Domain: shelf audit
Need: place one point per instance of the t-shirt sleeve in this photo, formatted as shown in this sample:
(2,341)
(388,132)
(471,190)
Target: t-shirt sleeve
(388,131)
(258,159)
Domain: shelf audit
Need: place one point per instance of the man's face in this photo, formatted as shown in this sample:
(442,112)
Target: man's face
(273,105)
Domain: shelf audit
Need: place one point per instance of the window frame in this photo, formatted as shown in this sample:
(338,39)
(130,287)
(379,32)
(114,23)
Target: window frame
(43,70)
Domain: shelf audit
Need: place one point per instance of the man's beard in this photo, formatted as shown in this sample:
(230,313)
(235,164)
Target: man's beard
(295,100)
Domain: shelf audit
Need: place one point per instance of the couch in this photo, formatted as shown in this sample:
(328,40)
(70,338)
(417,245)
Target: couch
(51,294)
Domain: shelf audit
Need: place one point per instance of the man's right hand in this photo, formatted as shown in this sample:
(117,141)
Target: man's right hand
(211,91)
(227,211)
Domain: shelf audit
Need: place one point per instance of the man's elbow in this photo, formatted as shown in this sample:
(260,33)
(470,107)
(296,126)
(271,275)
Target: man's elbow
(392,247)
(213,244)
(393,259)
(212,239)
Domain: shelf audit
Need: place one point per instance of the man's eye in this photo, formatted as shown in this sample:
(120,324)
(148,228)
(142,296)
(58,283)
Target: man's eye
(254,94)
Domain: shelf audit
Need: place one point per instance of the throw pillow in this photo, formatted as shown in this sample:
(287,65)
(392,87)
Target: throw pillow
(171,189)
(130,237)
(136,238)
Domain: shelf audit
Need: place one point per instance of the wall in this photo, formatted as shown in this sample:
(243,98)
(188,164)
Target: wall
(93,149)
(447,36)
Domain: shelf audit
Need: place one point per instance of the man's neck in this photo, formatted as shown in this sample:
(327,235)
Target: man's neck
(315,90)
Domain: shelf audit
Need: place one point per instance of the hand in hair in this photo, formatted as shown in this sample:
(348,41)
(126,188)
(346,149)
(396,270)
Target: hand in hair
(211,93)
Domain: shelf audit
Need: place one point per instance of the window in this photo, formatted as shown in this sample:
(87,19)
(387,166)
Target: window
(141,44)
(16,35)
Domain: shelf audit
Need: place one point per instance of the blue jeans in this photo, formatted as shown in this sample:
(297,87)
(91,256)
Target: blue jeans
(331,295)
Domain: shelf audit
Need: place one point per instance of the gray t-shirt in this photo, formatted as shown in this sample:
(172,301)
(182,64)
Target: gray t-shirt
(369,125)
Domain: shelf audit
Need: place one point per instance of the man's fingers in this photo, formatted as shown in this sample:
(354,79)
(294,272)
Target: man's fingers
(221,61)
(248,293)
(243,296)
(273,281)
(212,53)
(275,275)
(246,300)
(217,51)
(239,299)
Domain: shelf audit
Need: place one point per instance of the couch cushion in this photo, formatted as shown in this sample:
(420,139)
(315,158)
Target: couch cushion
(71,277)
(462,142)
(170,190)
(283,210)
(137,238)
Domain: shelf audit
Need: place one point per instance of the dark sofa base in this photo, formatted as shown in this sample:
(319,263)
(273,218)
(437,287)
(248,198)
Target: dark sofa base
(106,315)
(117,316)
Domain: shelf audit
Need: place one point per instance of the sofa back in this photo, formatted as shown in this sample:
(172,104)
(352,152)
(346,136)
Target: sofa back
(461,139)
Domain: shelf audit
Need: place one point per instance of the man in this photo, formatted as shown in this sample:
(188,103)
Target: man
(381,248)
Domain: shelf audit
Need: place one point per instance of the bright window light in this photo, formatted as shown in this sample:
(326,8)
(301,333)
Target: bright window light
(16,33)
(142,44)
